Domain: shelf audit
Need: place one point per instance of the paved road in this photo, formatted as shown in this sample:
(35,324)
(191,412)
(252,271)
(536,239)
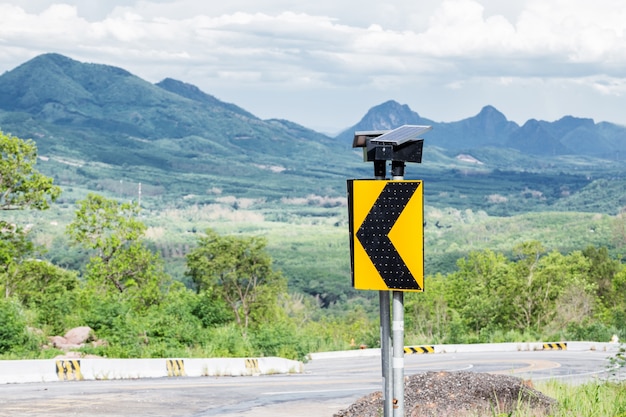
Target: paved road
(327,386)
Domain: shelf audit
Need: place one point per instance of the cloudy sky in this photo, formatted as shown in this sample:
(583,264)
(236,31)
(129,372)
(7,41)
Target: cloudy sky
(324,63)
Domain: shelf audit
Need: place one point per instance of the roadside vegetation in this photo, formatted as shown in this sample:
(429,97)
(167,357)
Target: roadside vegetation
(240,277)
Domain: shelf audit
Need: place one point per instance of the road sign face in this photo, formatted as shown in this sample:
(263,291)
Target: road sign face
(386,234)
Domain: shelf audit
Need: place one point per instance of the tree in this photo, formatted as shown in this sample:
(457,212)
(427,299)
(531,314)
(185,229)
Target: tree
(474,291)
(602,272)
(47,290)
(12,325)
(121,262)
(566,295)
(427,314)
(21,186)
(239,270)
(14,249)
(530,290)
(544,281)
(619,228)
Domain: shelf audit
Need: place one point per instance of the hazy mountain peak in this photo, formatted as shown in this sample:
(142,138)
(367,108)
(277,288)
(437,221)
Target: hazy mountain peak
(56,79)
(385,116)
(51,57)
(390,115)
(71,67)
(491,112)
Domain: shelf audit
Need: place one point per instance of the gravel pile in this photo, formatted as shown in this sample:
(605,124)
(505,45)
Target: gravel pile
(458,394)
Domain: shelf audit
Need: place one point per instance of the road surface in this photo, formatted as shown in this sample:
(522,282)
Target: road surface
(326,386)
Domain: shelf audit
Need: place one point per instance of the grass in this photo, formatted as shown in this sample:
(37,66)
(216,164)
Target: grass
(592,399)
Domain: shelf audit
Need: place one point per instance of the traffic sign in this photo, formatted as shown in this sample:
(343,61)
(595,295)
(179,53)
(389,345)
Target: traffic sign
(386,234)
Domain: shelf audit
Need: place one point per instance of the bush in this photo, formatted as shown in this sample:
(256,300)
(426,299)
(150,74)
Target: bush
(280,339)
(596,332)
(13,333)
(211,310)
(227,341)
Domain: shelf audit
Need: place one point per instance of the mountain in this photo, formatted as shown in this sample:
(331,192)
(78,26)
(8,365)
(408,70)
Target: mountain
(385,116)
(487,128)
(98,127)
(490,128)
(105,122)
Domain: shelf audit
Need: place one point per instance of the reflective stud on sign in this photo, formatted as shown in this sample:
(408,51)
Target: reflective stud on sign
(386,234)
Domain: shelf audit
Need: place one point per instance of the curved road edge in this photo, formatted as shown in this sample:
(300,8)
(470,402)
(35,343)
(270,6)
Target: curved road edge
(63,369)
(44,370)
(478,347)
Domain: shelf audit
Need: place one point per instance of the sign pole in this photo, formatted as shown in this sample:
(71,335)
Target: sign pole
(397,172)
(398,354)
(385,342)
(380,173)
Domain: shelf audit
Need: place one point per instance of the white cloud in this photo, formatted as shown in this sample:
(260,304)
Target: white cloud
(239,46)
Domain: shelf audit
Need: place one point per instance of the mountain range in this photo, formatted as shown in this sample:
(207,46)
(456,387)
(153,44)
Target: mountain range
(490,128)
(96,125)
(101,121)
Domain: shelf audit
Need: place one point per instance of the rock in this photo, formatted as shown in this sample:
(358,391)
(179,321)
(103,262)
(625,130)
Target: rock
(99,342)
(62,343)
(74,339)
(79,335)
(58,341)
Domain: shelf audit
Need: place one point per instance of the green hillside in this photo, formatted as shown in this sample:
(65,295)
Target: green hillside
(195,163)
(101,128)
(180,150)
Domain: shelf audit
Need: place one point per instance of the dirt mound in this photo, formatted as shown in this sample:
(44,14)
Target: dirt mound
(458,394)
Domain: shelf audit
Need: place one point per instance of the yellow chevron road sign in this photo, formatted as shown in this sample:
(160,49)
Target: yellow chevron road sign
(386,234)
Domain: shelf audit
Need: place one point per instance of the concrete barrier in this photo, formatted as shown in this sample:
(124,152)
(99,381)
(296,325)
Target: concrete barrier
(479,347)
(45,370)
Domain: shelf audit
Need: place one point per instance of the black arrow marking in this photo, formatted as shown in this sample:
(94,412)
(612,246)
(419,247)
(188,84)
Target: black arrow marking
(374,235)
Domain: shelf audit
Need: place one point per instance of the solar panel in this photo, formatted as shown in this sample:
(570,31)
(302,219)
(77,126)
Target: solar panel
(402,134)
(370,132)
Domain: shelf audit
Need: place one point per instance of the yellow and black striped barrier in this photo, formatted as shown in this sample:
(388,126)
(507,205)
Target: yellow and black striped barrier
(69,370)
(253,366)
(419,349)
(555,346)
(175,367)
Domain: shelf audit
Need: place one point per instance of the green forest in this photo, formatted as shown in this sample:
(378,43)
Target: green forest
(249,292)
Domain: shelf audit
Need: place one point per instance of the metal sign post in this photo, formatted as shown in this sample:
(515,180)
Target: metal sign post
(380,173)
(383,258)
(385,352)
(397,172)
